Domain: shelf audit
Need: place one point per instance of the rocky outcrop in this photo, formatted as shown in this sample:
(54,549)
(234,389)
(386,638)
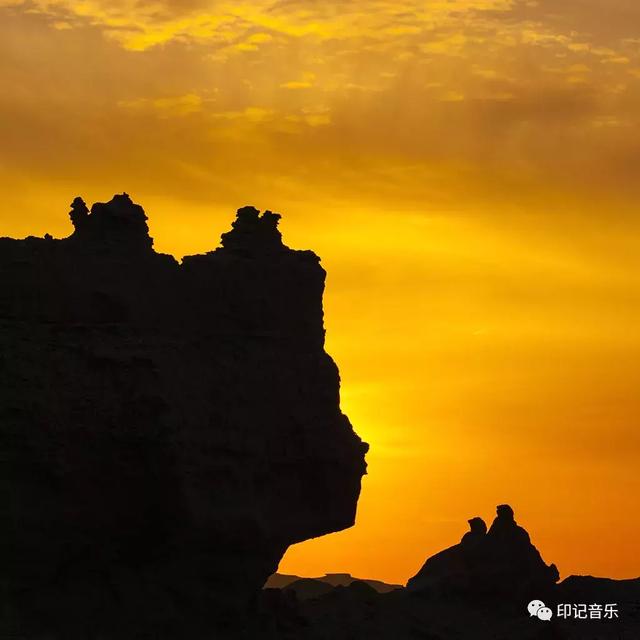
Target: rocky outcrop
(167,430)
(479,589)
(500,562)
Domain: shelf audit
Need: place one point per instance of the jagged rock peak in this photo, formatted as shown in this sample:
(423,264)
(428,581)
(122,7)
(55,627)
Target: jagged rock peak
(79,212)
(254,233)
(477,531)
(119,225)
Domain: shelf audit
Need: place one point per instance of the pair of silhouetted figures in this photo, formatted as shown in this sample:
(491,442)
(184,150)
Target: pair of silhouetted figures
(501,561)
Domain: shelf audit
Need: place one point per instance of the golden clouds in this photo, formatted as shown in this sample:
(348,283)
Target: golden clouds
(167,107)
(306,82)
(140,25)
(468,171)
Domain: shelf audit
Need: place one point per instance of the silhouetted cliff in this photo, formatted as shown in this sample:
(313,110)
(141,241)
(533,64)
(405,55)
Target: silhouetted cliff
(167,430)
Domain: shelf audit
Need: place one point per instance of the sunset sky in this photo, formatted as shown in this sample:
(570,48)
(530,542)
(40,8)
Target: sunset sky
(469,172)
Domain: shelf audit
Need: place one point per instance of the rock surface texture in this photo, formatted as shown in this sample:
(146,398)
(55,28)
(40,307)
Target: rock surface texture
(167,430)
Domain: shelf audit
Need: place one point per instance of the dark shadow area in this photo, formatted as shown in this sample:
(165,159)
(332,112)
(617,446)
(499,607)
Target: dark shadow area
(167,430)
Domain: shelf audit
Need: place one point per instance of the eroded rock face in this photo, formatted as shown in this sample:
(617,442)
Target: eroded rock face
(167,430)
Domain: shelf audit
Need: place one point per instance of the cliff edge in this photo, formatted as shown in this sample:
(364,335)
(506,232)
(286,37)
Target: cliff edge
(167,429)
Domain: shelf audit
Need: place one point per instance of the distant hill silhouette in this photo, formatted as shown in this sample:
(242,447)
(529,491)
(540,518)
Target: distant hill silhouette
(478,589)
(167,429)
(308,588)
(283,581)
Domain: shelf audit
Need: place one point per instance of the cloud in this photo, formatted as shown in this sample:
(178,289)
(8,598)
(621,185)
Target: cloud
(169,106)
(306,82)
(492,90)
(141,25)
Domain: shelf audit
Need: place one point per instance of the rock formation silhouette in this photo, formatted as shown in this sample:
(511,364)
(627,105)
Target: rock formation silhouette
(478,589)
(168,430)
(500,562)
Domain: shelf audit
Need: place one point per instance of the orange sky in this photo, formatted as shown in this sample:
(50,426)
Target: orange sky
(469,172)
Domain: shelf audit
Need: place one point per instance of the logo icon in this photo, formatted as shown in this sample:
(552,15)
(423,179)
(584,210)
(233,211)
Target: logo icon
(538,609)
